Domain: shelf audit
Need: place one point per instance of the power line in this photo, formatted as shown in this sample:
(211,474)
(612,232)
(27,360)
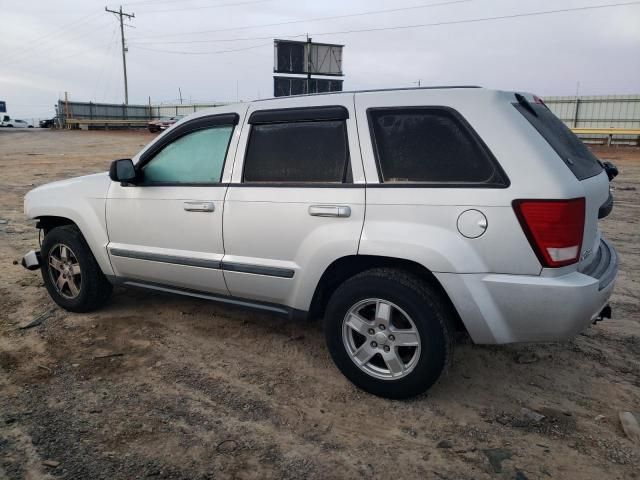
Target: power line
(228,39)
(250,2)
(111,43)
(122,14)
(207,53)
(113,62)
(49,47)
(425,25)
(142,3)
(308,20)
(36,43)
(481,19)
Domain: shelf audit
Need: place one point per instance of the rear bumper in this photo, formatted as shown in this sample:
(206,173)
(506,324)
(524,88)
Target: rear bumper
(498,308)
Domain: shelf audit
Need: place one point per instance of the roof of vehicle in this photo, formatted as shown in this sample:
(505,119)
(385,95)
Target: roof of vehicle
(294,100)
(435,87)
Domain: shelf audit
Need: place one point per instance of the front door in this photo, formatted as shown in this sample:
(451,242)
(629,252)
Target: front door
(166,230)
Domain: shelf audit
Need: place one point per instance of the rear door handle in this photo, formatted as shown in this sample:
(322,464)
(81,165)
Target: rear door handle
(199,206)
(330,211)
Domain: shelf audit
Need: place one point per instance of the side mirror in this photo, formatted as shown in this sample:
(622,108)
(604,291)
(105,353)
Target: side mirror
(122,171)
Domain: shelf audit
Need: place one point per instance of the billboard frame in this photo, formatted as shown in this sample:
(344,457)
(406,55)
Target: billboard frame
(307,45)
(307,84)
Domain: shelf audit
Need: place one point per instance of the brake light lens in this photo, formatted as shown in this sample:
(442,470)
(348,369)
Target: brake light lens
(554,228)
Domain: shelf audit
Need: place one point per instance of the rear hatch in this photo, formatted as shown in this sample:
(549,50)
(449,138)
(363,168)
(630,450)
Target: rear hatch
(584,165)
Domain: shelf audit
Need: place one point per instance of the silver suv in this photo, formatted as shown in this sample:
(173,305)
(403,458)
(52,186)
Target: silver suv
(398,216)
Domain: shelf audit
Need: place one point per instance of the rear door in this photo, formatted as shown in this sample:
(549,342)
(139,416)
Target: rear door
(297,199)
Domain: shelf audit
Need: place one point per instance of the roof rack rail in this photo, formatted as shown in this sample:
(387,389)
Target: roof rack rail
(435,87)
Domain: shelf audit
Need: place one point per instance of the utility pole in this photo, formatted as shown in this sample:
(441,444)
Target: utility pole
(121,14)
(308,65)
(66,109)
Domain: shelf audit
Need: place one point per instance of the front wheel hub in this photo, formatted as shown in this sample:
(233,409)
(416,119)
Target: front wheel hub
(64,271)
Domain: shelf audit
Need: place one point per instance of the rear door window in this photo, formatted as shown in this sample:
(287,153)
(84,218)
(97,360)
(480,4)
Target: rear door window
(575,154)
(298,152)
(431,145)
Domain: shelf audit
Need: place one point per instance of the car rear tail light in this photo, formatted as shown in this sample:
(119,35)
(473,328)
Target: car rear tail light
(554,228)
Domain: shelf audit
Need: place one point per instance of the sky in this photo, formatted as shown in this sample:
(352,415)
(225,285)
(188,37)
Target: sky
(222,50)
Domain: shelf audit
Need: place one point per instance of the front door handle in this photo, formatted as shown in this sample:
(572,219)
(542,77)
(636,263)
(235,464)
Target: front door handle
(330,211)
(199,206)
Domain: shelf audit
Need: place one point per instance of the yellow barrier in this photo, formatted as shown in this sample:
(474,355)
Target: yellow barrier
(106,122)
(109,121)
(606,131)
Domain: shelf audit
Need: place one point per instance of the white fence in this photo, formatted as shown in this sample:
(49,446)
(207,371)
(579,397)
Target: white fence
(158,111)
(608,111)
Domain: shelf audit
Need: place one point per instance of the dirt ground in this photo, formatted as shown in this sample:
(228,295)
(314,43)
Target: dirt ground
(161,386)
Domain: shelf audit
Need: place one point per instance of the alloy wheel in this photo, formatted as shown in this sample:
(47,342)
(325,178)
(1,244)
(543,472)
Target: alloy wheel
(381,339)
(64,271)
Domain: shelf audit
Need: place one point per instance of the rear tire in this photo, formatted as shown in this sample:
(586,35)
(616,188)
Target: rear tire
(389,333)
(70,271)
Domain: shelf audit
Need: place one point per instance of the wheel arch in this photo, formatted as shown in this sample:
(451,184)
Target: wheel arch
(346,267)
(48,222)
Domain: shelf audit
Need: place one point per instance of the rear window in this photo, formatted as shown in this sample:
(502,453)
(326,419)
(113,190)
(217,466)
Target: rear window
(567,145)
(298,152)
(432,145)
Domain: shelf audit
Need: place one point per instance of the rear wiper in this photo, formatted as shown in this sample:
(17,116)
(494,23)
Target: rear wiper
(525,103)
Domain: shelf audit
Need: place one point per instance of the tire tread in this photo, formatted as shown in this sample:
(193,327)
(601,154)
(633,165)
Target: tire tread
(97,288)
(428,296)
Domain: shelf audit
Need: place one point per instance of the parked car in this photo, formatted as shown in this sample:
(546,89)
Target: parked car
(7,121)
(163,123)
(481,210)
(48,123)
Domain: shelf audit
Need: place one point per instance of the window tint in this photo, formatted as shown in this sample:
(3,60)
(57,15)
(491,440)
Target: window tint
(298,152)
(197,157)
(570,148)
(429,145)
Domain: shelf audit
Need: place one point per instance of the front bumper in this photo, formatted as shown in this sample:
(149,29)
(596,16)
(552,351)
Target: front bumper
(498,308)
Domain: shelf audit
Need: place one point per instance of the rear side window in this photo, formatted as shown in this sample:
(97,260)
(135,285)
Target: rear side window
(431,145)
(570,148)
(298,152)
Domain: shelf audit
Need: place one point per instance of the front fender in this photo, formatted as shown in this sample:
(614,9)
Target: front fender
(81,200)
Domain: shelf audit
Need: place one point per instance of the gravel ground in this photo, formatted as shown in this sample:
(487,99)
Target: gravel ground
(167,387)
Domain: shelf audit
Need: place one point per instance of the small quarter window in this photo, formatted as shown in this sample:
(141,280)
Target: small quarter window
(430,145)
(197,157)
(298,152)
